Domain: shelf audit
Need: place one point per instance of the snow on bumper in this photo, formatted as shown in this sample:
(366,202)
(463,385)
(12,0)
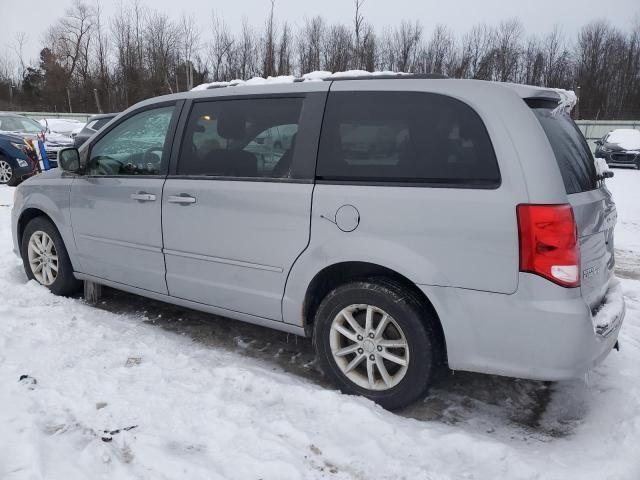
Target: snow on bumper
(610,314)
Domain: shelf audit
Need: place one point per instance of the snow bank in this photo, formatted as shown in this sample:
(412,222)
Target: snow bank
(626,138)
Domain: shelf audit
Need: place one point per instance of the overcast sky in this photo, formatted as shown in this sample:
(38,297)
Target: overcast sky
(34,16)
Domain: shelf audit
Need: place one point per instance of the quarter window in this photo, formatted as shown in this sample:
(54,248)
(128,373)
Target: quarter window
(405,137)
(241,138)
(136,146)
(569,146)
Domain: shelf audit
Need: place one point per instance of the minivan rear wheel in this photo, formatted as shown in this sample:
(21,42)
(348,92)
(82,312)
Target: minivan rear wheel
(375,339)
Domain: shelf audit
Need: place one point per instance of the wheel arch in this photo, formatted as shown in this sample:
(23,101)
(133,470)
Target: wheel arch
(340,273)
(35,211)
(26,216)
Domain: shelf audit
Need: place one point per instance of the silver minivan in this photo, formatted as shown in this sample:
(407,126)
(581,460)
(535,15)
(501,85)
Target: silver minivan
(404,223)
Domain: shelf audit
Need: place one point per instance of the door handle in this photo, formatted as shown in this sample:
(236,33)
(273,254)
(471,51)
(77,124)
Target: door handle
(143,197)
(183,199)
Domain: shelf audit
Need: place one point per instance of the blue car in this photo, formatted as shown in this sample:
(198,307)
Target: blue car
(15,165)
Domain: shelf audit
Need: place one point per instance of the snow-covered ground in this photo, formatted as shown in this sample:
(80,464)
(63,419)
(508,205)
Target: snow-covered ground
(211,398)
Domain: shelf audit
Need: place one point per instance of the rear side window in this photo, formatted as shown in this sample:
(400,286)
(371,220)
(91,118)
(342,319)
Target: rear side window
(572,153)
(241,138)
(406,137)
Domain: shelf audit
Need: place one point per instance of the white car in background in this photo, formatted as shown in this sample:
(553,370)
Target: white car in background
(62,126)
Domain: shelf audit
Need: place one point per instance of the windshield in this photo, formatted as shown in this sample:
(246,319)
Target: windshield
(569,146)
(20,124)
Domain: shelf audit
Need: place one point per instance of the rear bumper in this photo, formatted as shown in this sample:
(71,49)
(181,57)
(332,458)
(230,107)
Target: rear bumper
(541,332)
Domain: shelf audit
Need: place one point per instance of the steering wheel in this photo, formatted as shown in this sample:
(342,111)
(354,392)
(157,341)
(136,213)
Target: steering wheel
(104,165)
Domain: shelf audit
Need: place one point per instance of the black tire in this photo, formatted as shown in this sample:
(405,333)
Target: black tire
(65,283)
(14,180)
(415,322)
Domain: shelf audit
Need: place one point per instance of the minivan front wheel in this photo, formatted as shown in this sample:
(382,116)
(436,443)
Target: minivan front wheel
(45,257)
(376,340)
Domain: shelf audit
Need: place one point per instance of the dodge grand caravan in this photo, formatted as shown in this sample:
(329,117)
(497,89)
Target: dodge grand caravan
(409,222)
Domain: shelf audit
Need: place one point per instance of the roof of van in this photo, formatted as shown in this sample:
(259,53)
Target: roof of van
(292,84)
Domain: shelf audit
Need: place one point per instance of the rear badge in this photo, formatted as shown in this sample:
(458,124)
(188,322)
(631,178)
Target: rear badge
(590,272)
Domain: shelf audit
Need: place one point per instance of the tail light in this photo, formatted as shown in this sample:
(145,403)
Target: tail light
(549,243)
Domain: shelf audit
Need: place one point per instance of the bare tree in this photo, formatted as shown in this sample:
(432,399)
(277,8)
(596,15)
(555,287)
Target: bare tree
(507,50)
(337,49)
(161,46)
(247,52)
(404,43)
(220,48)
(309,44)
(188,44)
(140,52)
(439,54)
(478,53)
(533,63)
(285,58)
(19,42)
(269,41)
(359,31)
(70,38)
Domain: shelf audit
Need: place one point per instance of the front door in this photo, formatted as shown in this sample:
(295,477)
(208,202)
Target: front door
(116,205)
(236,213)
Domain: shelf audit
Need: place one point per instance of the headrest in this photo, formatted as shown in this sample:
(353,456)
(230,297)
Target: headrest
(232,125)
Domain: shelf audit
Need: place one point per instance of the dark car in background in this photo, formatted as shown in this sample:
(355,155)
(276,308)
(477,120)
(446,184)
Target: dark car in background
(620,147)
(95,123)
(15,165)
(25,127)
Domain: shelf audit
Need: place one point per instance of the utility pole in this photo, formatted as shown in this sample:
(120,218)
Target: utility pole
(95,94)
(11,87)
(69,99)
(578,103)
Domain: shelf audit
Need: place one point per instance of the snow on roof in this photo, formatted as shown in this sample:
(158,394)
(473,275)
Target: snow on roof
(626,138)
(316,76)
(567,101)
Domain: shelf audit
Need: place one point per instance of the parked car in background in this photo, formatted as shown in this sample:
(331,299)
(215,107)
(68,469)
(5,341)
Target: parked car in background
(620,147)
(94,124)
(26,127)
(15,164)
(406,225)
(62,126)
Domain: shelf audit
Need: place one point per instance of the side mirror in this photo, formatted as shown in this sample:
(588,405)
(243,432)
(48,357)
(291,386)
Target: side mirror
(69,160)
(599,142)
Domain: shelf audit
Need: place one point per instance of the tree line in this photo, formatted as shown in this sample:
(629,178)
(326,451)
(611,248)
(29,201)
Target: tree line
(91,63)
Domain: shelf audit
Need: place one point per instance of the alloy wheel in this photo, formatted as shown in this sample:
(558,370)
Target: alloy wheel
(369,347)
(6,172)
(43,258)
